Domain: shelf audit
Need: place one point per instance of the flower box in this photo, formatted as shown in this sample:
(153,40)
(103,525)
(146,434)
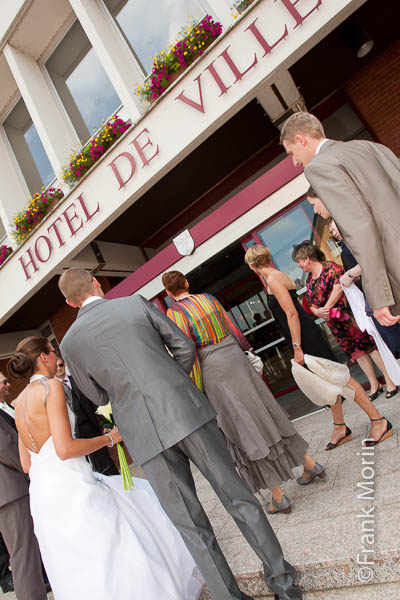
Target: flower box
(169,65)
(5,252)
(39,205)
(84,159)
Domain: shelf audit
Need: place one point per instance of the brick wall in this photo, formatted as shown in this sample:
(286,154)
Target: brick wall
(375,92)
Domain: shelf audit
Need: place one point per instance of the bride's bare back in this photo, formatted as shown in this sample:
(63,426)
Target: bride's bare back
(39,415)
(31,415)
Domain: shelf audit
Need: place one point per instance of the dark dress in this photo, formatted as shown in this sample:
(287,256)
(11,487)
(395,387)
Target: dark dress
(342,324)
(312,339)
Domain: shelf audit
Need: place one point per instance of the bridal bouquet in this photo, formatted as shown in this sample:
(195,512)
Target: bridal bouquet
(106,412)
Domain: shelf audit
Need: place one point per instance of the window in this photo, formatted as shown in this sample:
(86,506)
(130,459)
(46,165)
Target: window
(286,231)
(28,148)
(148,31)
(344,124)
(81,82)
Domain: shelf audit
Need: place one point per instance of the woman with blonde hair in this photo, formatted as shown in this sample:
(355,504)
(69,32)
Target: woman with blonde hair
(306,338)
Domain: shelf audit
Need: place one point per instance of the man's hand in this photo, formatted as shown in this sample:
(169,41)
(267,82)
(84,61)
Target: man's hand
(385,317)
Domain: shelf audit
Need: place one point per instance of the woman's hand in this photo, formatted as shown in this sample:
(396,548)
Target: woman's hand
(346,280)
(115,435)
(298,355)
(322,312)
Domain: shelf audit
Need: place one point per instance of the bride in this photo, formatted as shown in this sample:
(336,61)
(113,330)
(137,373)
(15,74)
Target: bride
(97,541)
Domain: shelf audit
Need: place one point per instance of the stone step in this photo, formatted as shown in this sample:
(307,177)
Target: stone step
(383,591)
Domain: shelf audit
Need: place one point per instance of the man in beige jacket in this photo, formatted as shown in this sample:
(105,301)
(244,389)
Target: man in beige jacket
(359,183)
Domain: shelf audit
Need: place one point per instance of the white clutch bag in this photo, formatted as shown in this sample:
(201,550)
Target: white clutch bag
(255,361)
(323,381)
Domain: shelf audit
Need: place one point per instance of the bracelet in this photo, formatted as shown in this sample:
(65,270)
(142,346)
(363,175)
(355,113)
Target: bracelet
(112,441)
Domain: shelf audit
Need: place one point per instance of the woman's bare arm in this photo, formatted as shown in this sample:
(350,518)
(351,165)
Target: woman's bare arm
(66,446)
(24,456)
(281,293)
(336,294)
(348,278)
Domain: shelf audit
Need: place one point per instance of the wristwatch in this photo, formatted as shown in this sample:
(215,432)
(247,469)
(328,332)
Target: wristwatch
(296,345)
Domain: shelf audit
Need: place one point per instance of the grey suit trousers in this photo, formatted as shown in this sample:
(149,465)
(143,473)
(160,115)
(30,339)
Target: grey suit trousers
(16,526)
(170,475)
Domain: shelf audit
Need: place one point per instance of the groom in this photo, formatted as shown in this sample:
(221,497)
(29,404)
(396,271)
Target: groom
(116,351)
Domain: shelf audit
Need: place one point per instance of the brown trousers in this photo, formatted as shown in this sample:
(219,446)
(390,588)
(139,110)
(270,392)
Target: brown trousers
(16,526)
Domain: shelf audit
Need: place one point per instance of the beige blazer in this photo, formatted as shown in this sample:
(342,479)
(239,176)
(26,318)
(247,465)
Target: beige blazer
(359,183)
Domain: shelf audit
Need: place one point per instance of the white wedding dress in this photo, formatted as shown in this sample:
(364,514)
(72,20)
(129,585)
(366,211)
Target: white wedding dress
(99,542)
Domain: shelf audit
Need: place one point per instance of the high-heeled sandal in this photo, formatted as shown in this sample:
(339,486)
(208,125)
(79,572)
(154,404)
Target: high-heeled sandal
(284,506)
(346,438)
(392,392)
(378,392)
(317,471)
(386,434)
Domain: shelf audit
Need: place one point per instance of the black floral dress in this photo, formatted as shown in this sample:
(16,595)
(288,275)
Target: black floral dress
(341,322)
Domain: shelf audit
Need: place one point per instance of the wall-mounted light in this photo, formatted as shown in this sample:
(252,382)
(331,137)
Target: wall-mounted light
(358,39)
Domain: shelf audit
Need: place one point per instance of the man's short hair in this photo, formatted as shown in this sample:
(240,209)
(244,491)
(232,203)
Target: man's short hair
(301,123)
(76,285)
(174,282)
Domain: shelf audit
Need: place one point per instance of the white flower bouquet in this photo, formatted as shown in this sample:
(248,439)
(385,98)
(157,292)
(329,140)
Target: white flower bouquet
(106,413)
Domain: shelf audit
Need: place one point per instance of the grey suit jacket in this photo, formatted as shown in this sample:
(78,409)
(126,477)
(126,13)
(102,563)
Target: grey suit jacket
(116,352)
(13,481)
(359,183)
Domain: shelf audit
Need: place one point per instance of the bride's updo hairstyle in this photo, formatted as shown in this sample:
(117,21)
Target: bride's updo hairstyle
(309,250)
(258,256)
(22,364)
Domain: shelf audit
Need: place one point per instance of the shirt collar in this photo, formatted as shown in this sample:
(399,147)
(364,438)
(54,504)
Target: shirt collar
(7,409)
(320,145)
(89,300)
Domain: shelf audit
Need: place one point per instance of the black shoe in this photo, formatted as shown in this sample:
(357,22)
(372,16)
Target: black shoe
(392,392)
(7,584)
(378,392)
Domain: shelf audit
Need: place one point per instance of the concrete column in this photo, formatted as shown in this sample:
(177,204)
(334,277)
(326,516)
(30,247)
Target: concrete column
(14,193)
(280,98)
(222,12)
(52,124)
(112,50)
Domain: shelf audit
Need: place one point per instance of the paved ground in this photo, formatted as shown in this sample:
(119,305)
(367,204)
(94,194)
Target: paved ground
(323,535)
